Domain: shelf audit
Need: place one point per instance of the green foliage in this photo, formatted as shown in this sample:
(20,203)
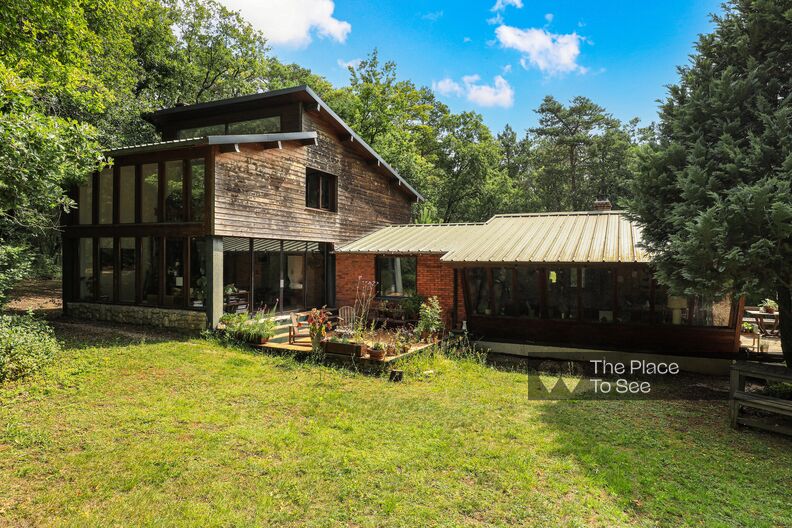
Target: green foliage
(431,316)
(412,305)
(715,191)
(27,344)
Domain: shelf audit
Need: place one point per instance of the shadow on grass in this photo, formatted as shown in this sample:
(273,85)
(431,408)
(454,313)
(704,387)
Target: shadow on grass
(78,334)
(676,462)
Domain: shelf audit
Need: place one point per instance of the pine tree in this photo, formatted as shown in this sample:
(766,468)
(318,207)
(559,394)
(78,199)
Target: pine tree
(714,193)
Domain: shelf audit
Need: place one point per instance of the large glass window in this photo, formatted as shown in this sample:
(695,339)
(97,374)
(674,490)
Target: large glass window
(315,275)
(266,273)
(149,263)
(85,271)
(106,196)
(198,284)
(149,193)
(236,274)
(264,125)
(126,196)
(126,292)
(561,293)
(597,294)
(294,274)
(197,190)
(85,202)
(106,268)
(320,190)
(503,291)
(197,132)
(174,272)
(174,191)
(527,296)
(633,295)
(396,276)
(479,291)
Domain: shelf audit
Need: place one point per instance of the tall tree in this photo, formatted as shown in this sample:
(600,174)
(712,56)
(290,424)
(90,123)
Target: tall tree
(715,195)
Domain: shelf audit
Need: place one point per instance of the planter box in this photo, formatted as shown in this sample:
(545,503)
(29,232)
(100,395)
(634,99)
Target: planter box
(345,349)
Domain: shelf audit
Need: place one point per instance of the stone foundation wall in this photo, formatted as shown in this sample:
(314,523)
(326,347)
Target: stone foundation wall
(141,315)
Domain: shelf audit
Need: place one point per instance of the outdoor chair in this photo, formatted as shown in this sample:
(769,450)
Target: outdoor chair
(297,329)
(346,319)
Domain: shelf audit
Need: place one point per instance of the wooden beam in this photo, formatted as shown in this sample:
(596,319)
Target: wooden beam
(233,147)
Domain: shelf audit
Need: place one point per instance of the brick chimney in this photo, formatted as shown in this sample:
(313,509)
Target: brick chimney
(602,205)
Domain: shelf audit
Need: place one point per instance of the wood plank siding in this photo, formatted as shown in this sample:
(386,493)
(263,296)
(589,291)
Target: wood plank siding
(261,192)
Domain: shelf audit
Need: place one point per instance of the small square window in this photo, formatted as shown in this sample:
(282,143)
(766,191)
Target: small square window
(320,190)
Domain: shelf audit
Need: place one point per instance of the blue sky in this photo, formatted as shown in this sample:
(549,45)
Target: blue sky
(497,57)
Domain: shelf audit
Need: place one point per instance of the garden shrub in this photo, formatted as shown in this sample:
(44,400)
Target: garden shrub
(27,343)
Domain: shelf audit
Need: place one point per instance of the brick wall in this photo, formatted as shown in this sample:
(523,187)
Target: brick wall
(434,278)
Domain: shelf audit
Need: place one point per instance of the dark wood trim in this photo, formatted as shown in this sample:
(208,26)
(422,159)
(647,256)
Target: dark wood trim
(132,230)
(144,158)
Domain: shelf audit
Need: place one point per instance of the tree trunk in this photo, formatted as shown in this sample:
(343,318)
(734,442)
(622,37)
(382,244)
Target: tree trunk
(785,320)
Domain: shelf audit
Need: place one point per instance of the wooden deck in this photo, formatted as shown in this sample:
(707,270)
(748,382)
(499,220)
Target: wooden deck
(303,348)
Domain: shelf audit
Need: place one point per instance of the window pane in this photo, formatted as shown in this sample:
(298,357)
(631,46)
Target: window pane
(197,191)
(174,193)
(562,293)
(528,300)
(327,191)
(106,196)
(149,264)
(149,193)
(503,295)
(396,276)
(126,292)
(236,274)
(315,276)
(198,284)
(633,291)
(211,130)
(312,182)
(266,270)
(478,291)
(126,198)
(174,272)
(86,269)
(106,269)
(597,295)
(265,125)
(85,202)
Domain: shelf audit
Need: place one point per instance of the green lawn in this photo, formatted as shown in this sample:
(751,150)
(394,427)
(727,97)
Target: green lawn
(187,433)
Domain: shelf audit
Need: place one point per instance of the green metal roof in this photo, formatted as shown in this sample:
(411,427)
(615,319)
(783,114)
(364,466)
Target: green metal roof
(581,237)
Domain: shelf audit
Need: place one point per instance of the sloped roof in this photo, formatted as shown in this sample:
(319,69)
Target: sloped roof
(413,239)
(581,237)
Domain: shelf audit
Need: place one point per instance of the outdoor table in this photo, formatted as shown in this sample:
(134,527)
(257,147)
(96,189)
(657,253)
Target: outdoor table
(759,317)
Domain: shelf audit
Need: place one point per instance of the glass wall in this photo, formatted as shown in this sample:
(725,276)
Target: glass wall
(85,269)
(85,202)
(126,292)
(266,274)
(149,192)
(198,284)
(561,293)
(236,274)
(316,286)
(197,172)
(588,294)
(596,295)
(106,196)
(126,196)
(174,191)
(174,272)
(106,267)
(149,269)
(263,125)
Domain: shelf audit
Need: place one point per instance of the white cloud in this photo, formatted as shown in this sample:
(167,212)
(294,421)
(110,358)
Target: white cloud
(549,52)
(354,63)
(549,17)
(447,87)
(292,22)
(501,5)
(432,17)
(499,94)
(467,39)
(507,69)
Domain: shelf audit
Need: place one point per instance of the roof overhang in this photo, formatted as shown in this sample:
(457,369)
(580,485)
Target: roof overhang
(227,143)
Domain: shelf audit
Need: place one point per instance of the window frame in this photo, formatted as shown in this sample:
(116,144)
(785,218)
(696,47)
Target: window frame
(322,177)
(378,276)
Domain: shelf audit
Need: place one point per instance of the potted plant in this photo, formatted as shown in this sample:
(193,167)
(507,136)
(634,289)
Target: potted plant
(258,332)
(390,349)
(343,346)
(318,326)
(402,341)
(769,306)
(747,328)
(377,351)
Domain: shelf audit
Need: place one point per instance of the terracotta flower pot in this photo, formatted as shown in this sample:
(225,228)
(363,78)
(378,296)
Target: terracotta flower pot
(377,355)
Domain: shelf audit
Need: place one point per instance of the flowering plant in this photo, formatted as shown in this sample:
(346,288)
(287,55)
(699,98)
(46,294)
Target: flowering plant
(318,326)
